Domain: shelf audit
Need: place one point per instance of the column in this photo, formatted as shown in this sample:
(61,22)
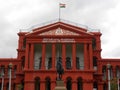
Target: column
(100,86)
(64,56)
(42,85)
(91,55)
(43,56)
(53,84)
(32,56)
(26,56)
(74,56)
(29,85)
(87,84)
(74,85)
(53,56)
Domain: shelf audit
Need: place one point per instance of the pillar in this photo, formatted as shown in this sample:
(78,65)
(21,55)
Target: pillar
(74,85)
(32,56)
(64,56)
(53,56)
(87,85)
(42,85)
(29,85)
(43,56)
(85,57)
(74,56)
(100,86)
(53,85)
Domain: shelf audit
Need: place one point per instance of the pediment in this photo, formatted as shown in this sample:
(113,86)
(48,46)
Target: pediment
(59,28)
(59,31)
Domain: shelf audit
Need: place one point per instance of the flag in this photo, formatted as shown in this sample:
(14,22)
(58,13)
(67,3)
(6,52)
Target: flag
(62,5)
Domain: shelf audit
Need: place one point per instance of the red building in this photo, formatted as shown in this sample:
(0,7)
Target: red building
(37,54)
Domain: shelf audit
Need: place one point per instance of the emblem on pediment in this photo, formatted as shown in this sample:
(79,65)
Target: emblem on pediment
(59,31)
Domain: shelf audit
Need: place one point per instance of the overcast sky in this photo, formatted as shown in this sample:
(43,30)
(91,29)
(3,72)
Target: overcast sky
(96,14)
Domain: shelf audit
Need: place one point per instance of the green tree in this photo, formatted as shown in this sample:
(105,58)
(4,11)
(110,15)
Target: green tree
(114,84)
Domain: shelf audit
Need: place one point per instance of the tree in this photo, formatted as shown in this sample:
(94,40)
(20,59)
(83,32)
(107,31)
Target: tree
(114,84)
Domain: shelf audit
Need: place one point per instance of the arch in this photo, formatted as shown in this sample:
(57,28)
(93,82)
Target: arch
(79,84)
(104,71)
(47,83)
(68,63)
(69,83)
(37,83)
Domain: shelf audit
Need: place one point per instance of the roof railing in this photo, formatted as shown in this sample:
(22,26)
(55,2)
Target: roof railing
(59,20)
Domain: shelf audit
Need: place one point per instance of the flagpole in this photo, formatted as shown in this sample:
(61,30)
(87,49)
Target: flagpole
(59,11)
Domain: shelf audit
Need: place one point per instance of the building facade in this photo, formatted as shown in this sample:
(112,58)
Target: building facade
(37,54)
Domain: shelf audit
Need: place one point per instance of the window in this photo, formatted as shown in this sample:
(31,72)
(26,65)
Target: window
(104,72)
(77,63)
(23,62)
(117,72)
(49,63)
(48,84)
(94,43)
(69,84)
(40,62)
(95,86)
(95,63)
(68,63)
(37,83)
(79,84)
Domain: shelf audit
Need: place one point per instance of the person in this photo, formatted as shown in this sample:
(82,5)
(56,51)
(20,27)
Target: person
(60,69)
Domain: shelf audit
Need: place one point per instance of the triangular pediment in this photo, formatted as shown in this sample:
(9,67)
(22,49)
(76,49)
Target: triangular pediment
(59,28)
(59,31)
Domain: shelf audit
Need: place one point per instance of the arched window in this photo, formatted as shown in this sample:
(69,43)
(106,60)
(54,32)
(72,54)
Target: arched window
(15,70)
(95,86)
(69,84)
(2,70)
(48,84)
(14,86)
(104,72)
(22,83)
(49,62)
(95,63)
(117,71)
(0,85)
(79,84)
(68,63)
(111,72)
(37,83)
(104,86)
(77,63)
(7,86)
